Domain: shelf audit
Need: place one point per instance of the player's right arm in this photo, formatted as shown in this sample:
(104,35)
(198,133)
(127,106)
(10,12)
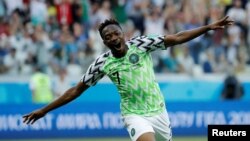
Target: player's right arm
(68,96)
(91,77)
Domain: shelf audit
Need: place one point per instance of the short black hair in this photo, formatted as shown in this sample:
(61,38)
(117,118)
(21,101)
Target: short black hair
(106,23)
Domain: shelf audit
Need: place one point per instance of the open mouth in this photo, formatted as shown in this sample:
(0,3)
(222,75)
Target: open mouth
(117,46)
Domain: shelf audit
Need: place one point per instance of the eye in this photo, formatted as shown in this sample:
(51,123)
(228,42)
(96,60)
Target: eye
(107,37)
(117,33)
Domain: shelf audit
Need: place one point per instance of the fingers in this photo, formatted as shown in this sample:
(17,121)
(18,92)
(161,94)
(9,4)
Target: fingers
(225,18)
(30,118)
(228,23)
(228,20)
(26,117)
(34,120)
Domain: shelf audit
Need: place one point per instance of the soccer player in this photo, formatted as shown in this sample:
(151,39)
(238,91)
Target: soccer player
(129,65)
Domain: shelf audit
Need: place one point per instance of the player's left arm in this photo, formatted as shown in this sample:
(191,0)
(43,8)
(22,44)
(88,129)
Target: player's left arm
(184,36)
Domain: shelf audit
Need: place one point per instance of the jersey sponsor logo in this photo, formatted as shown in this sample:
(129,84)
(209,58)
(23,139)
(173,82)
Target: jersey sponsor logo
(132,132)
(134,58)
(162,104)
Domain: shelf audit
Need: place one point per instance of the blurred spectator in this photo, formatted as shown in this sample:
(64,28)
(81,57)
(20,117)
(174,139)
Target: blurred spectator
(51,8)
(73,69)
(61,83)
(42,45)
(130,29)
(207,62)
(86,8)
(185,60)
(248,26)
(80,35)
(2,8)
(152,20)
(136,10)
(64,12)
(77,11)
(65,48)
(95,6)
(171,62)
(230,51)
(104,12)
(41,87)
(95,41)
(232,88)
(118,8)
(38,12)
(11,63)
(12,5)
(195,45)
(238,13)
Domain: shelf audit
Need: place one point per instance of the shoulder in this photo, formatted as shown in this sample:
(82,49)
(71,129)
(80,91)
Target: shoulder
(135,39)
(99,62)
(147,43)
(138,40)
(101,58)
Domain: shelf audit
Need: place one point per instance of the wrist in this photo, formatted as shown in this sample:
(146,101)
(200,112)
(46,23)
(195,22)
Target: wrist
(44,111)
(209,27)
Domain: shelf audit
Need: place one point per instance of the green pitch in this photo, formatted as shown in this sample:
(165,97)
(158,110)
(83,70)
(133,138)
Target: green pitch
(113,139)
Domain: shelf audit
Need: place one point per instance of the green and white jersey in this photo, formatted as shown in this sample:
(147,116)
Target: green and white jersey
(133,75)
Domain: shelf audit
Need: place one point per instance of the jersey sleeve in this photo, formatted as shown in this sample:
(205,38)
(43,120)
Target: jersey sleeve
(148,43)
(94,73)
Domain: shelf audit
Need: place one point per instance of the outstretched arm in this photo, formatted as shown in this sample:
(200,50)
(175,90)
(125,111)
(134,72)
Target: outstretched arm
(68,96)
(184,36)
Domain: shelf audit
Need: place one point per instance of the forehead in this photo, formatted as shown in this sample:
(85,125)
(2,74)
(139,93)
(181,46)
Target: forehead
(110,28)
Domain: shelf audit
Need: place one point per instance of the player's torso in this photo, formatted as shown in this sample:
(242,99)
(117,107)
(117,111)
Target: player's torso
(134,77)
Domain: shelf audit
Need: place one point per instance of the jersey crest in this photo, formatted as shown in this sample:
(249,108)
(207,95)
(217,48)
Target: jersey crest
(134,58)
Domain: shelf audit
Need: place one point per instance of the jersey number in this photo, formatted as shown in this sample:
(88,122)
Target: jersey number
(117,75)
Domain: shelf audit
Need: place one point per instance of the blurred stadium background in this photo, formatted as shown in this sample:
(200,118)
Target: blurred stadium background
(205,81)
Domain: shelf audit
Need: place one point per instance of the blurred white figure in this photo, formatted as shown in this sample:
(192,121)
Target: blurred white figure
(11,62)
(186,60)
(73,69)
(96,41)
(105,11)
(153,20)
(11,5)
(237,13)
(38,12)
(130,29)
(61,83)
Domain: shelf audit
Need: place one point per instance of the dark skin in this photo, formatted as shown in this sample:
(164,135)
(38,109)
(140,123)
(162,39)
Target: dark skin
(114,39)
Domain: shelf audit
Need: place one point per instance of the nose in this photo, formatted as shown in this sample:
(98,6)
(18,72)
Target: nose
(113,38)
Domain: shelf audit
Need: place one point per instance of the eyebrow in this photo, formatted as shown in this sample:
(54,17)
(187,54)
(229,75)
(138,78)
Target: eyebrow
(110,32)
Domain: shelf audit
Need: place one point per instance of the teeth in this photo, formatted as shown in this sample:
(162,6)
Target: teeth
(117,46)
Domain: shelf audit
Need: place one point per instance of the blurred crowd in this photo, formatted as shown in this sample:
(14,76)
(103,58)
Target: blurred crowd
(57,35)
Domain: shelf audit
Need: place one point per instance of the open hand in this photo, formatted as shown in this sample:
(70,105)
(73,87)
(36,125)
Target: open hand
(220,24)
(33,116)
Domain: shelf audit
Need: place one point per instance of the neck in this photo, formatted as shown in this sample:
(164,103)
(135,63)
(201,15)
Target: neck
(121,53)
